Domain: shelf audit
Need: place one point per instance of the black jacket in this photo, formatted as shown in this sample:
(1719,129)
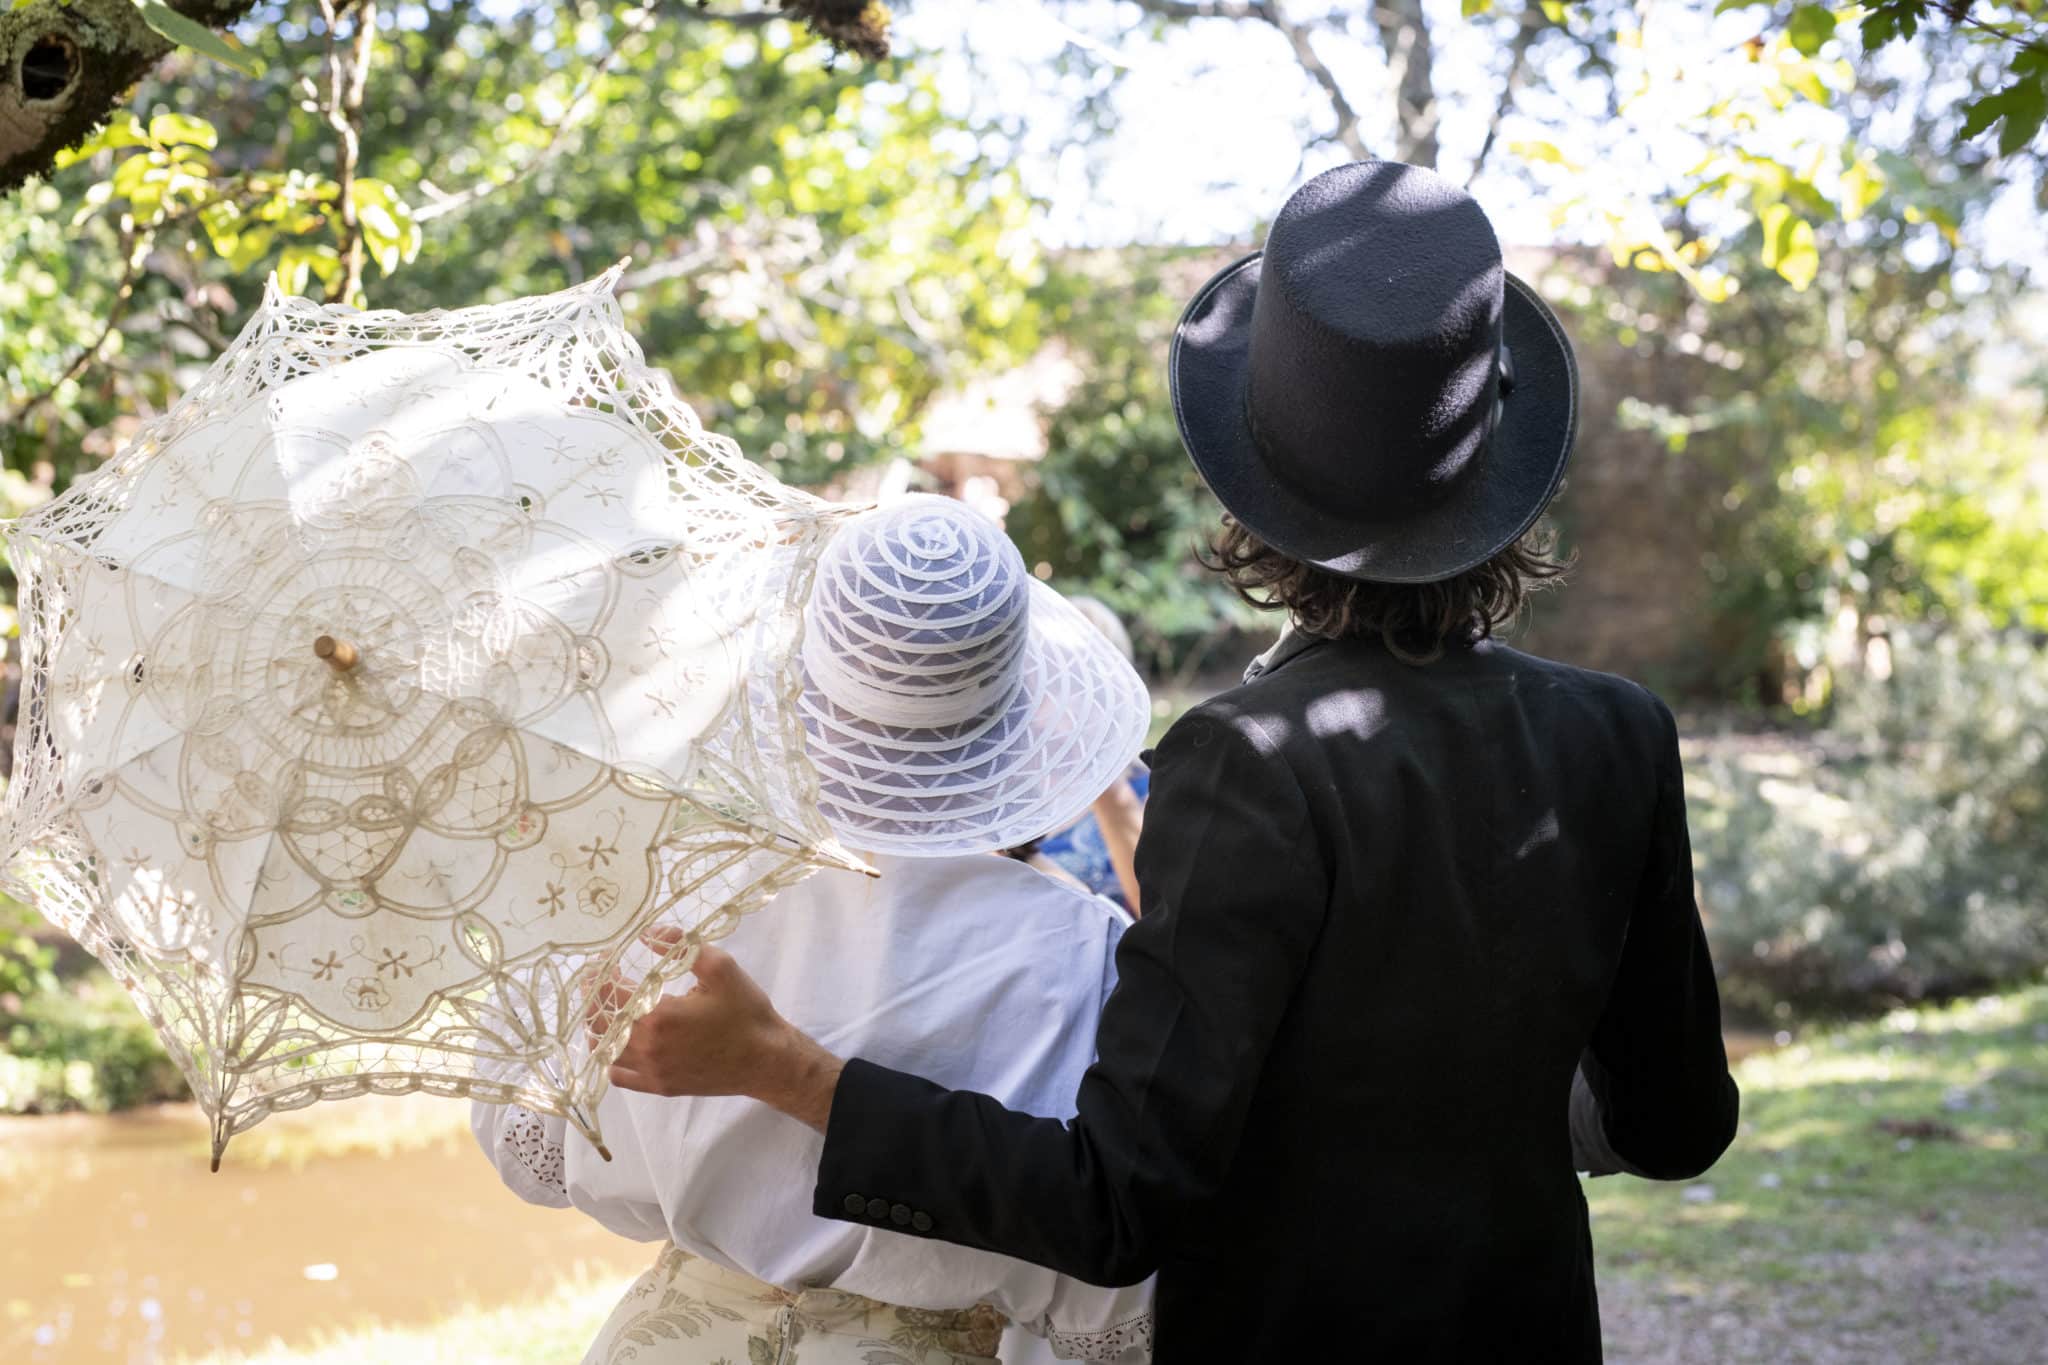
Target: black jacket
(1389,911)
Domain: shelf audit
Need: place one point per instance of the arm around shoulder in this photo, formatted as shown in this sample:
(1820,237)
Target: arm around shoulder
(1234,894)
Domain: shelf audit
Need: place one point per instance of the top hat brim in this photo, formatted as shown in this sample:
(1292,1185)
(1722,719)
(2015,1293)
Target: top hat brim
(1489,510)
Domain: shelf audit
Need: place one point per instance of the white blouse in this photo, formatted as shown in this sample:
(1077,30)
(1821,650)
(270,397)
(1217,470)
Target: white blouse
(976,971)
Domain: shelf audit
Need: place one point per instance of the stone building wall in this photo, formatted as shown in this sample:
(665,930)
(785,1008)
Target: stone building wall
(1640,519)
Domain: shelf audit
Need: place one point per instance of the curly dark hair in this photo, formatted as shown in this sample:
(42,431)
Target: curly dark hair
(1416,620)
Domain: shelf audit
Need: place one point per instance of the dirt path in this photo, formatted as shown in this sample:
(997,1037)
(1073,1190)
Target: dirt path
(1947,1297)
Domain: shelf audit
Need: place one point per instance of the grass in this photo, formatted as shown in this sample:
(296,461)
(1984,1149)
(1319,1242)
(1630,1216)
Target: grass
(548,1331)
(1879,1140)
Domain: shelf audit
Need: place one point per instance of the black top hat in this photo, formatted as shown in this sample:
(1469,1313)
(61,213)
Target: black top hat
(1374,394)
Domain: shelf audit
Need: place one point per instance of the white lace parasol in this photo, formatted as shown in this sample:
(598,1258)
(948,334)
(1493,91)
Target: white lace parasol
(380,695)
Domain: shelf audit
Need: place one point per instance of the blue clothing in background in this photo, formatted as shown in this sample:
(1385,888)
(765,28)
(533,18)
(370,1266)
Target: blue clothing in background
(1079,849)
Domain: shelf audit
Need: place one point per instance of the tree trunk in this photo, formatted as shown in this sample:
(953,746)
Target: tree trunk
(1404,34)
(67,64)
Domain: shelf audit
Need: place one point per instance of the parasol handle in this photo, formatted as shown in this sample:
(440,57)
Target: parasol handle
(340,655)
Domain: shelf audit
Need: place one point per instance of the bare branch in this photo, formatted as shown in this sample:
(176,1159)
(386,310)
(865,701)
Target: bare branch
(1202,9)
(346,79)
(636,27)
(1518,58)
(1300,37)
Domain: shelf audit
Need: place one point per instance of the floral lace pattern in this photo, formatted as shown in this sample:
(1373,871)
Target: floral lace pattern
(404,656)
(526,1133)
(1107,1344)
(683,1311)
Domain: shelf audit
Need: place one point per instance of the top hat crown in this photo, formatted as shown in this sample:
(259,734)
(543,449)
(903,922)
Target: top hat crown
(1374,393)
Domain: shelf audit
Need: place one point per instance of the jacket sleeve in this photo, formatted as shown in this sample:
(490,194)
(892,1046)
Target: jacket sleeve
(1235,894)
(1653,1096)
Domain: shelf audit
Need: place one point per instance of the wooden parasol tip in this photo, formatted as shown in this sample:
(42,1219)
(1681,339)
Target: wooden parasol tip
(340,654)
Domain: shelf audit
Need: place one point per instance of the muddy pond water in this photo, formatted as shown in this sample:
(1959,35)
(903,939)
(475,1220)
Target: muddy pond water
(117,1244)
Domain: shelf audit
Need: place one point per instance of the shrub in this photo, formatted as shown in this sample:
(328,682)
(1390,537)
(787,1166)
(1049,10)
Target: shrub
(1909,861)
(81,1045)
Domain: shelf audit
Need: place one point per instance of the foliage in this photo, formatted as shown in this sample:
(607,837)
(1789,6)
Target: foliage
(1118,510)
(2015,32)
(1853,461)
(817,251)
(1907,863)
(81,1046)
(25,964)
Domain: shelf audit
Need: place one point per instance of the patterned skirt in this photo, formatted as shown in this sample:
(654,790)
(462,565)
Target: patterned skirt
(687,1311)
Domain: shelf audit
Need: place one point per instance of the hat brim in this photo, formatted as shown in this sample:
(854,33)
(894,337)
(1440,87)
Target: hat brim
(1491,509)
(1029,766)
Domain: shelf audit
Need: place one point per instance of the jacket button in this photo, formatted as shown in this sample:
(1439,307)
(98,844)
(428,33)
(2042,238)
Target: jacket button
(921,1220)
(878,1209)
(854,1204)
(899,1214)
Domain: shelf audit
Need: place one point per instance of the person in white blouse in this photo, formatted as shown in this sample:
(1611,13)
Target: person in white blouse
(954,706)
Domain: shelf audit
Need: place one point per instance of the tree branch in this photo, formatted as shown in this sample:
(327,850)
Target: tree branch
(1404,34)
(346,79)
(1299,36)
(65,65)
(124,292)
(1518,57)
(1202,9)
(636,27)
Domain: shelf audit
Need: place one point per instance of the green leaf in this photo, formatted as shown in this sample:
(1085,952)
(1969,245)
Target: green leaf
(2022,105)
(1809,27)
(251,246)
(1862,183)
(1804,79)
(1553,10)
(123,131)
(170,130)
(390,233)
(1470,8)
(1789,247)
(197,36)
(1727,5)
(1546,152)
(299,262)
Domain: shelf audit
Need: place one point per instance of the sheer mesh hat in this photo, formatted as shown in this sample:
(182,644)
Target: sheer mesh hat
(953,703)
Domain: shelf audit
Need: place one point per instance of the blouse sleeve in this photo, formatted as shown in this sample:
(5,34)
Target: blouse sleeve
(528,1148)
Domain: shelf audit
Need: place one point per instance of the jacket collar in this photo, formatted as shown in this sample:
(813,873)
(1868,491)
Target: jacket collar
(1293,641)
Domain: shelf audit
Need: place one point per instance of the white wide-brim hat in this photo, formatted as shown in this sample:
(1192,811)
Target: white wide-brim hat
(954,704)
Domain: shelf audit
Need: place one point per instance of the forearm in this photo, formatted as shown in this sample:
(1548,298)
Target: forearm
(1120,815)
(799,1078)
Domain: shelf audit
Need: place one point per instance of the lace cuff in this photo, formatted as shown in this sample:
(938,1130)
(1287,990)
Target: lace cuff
(535,1170)
(1107,1344)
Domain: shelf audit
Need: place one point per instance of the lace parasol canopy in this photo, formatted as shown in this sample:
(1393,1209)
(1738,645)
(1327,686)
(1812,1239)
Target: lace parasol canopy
(381,694)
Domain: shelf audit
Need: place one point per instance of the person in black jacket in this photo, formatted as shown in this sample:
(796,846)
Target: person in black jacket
(1419,932)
